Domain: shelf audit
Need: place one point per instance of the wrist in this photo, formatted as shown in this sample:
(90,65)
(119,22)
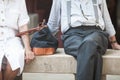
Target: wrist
(28,49)
(112,42)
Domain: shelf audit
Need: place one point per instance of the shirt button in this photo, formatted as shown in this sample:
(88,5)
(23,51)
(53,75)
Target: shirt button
(7,55)
(1,32)
(1,11)
(3,20)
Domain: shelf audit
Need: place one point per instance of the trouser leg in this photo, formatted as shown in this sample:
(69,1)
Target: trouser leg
(89,58)
(88,54)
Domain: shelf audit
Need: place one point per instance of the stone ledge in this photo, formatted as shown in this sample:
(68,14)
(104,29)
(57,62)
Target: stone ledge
(111,62)
(47,76)
(62,63)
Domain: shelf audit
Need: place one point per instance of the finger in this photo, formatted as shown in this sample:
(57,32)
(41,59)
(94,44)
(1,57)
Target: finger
(28,61)
(32,56)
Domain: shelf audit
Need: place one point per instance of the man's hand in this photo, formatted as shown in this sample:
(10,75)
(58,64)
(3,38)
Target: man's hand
(114,43)
(115,46)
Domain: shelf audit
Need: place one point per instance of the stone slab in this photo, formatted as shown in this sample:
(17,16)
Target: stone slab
(57,63)
(111,62)
(62,63)
(113,77)
(47,76)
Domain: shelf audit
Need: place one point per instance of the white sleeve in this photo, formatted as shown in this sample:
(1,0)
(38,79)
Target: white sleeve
(106,16)
(54,18)
(23,16)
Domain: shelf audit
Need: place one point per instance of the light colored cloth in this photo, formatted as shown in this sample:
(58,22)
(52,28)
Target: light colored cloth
(13,14)
(58,15)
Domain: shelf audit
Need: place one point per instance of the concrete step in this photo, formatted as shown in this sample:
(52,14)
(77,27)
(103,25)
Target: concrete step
(113,77)
(47,76)
(62,63)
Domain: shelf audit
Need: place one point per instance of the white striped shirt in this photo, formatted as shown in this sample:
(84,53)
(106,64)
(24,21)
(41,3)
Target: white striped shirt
(58,15)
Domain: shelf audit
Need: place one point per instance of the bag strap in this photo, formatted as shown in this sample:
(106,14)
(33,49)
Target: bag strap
(95,11)
(40,27)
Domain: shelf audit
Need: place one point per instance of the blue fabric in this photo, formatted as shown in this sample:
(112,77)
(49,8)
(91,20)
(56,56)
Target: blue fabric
(87,45)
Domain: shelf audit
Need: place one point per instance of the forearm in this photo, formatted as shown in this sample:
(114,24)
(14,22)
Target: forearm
(25,38)
(26,42)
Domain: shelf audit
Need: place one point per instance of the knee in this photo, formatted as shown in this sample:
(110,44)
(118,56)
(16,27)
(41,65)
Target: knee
(10,75)
(90,42)
(90,46)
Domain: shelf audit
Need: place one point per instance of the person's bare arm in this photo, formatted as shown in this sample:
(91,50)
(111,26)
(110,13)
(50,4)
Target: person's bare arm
(29,55)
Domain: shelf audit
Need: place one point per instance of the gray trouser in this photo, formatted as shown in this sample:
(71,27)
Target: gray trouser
(87,45)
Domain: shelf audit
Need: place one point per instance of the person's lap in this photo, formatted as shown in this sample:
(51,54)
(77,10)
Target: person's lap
(6,71)
(74,38)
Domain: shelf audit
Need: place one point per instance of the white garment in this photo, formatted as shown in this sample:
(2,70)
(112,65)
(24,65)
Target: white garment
(58,15)
(80,13)
(13,14)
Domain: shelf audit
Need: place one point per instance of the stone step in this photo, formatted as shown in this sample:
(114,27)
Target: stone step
(113,77)
(47,76)
(62,63)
